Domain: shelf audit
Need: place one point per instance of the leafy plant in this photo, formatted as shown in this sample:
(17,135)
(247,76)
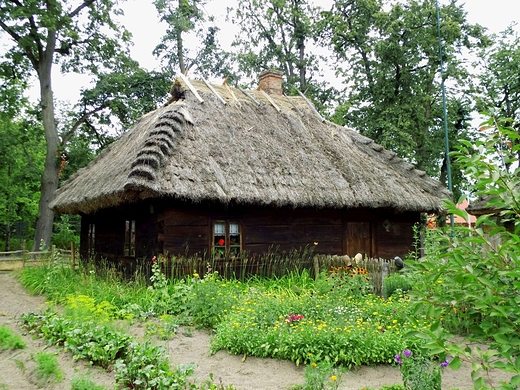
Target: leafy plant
(84,383)
(10,339)
(165,328)
(146,367)
(419,372)
(212,299)
(322,376)
(470,277)
(100,345)
(47,368)
(396,283)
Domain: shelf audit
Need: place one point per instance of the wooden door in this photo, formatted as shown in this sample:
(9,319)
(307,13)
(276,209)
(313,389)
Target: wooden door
(357,239)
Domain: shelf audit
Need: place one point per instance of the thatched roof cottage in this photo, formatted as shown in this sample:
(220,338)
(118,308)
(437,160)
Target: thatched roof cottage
(223,170)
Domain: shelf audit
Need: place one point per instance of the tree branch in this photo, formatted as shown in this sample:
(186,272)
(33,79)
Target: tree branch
(17,38)
(85,4)
(82,120)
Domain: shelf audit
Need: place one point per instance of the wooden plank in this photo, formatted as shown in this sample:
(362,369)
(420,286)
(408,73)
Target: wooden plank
(277,234)
(177,217)
(358,239)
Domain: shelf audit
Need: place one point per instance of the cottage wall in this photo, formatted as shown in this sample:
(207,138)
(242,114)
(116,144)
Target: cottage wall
(178,228)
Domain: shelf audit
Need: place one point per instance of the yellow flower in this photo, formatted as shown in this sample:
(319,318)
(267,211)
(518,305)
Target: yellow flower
(314,365)
(334,378)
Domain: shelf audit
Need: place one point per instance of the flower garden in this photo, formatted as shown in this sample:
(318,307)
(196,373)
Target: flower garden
(466,286)
(329,324)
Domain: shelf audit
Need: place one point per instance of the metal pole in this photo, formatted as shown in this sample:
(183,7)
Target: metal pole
(444,110)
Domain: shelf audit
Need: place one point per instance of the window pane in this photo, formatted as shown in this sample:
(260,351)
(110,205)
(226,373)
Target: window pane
(234,228)
(132,239)
(219,234)
(220,229)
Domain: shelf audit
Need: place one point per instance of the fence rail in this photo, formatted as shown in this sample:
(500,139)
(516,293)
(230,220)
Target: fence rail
(15,260)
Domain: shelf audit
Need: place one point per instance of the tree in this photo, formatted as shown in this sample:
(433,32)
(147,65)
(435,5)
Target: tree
(497,90)
(278,34)
(185,18)
(389,57)
(21,145)
(82,37)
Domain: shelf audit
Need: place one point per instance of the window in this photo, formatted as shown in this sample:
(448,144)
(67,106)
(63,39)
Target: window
(130,238)
(226,239)
(91,240)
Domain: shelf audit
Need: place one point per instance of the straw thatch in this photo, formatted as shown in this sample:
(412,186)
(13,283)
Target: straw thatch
(255,150)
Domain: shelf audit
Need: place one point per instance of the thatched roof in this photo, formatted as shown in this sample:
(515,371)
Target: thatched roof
(267,151)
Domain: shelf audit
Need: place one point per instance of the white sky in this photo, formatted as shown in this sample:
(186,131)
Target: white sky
(141,20)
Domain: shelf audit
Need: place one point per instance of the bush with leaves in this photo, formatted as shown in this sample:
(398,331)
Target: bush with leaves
(471,277)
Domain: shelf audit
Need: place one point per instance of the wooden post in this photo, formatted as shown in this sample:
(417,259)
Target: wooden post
(73,255)
(24,256)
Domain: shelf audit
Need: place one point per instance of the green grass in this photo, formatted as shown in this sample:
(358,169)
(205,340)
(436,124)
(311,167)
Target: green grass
(9,339)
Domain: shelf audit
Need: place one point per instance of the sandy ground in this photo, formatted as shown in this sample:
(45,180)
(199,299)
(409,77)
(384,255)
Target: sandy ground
(185,347)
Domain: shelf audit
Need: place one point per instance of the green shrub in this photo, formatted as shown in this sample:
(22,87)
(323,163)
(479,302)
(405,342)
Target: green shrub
(470,277)
(396,283)
(10,339)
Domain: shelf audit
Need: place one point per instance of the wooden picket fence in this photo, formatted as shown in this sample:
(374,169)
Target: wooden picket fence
(276,266)
(16,260)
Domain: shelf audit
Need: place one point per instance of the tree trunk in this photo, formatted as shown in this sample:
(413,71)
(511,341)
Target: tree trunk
(49,182)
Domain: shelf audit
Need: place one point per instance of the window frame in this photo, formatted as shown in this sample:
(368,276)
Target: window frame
(130,235)
(91,240)
(227,249)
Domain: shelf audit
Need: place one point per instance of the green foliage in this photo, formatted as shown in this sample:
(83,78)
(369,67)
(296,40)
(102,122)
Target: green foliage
(100,345)
(212,299)
(164,328)
(396,283)
(146,367)
(340,282)
(306,328)
(322,376)
(22,140)
(419,372)
(497,88)
(184,19)
(65,232)
(84,383)
(9,339)
(277,34)
(389,56)
(470,277)
(47,368)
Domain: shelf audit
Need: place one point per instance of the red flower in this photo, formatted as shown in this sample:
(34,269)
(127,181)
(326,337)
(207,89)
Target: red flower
(221,242)
(154,259)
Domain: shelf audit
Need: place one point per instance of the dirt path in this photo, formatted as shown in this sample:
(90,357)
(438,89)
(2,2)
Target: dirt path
(249,374)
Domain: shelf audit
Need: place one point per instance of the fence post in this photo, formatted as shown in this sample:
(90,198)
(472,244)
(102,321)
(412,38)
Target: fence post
(24,255)
(73,255)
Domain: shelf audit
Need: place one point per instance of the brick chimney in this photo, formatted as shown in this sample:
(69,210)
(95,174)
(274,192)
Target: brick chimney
(271,82)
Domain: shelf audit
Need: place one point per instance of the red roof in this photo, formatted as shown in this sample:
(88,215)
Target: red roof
(459,220)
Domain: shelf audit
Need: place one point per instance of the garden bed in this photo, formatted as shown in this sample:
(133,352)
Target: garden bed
(188,345)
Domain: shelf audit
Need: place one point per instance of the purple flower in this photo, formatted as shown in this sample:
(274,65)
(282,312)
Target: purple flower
(445,363)
(398,359)
(407,353)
